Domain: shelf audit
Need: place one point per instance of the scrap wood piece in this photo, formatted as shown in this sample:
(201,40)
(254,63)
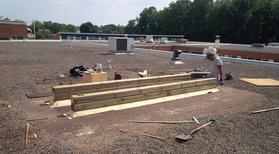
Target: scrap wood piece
(161,122)
(148,135)
(27,134)
(143,134)
(39,119)
(265,110)
(261,81)
(196,120)
(39,95)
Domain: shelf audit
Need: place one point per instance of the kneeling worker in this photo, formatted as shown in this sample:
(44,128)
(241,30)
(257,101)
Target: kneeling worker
(216,65)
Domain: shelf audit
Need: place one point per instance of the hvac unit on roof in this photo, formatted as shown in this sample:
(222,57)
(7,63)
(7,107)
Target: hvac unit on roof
(121,45)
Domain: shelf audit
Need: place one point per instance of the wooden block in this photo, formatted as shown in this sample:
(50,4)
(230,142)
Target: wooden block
(94,77)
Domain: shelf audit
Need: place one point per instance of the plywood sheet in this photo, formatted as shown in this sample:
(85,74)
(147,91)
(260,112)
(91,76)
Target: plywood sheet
(261,81)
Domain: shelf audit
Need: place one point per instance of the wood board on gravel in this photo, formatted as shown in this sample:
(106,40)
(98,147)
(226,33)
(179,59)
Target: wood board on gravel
(65,91)
(114,97)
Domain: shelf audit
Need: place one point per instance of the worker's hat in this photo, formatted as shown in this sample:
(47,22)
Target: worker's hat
(210,51)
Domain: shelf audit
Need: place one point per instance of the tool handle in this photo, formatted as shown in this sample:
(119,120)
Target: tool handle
(201,127)
(161,122)
(265,110)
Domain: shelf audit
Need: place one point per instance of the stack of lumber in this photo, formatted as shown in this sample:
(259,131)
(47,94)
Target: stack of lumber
(87,96)
(116,97)
(65,91)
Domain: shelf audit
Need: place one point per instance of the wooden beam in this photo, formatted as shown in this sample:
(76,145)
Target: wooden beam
(141,90)
(65,91)
(108,98)
(72,114)
(85,105)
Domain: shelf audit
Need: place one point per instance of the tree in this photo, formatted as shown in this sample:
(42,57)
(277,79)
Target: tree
(275,20)
(111,28)
(70,28)
(197,18)
(88,27)
(43,34)
(120,29)
(132,27)
(147,21)
(259,23)
(170,24)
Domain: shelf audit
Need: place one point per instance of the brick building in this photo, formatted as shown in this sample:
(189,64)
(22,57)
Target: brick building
(13,30)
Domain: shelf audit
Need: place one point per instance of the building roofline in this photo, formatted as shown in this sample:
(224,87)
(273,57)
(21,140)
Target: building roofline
(12,22)
(105,34)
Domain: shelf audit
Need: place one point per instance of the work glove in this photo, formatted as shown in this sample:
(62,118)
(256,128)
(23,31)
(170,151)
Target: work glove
(221,81)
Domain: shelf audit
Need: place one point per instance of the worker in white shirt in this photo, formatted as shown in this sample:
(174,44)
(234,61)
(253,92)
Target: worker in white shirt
(216,65)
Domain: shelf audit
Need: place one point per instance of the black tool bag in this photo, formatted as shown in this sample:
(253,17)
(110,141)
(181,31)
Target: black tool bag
(77,71)
(228,76)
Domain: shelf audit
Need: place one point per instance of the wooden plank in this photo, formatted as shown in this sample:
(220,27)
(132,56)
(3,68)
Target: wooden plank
(141,90)
(65,91)
(72,114)
(145,89)
(116,101)
(85,105)
(192,89)
(120,82)
(136,82)
(261,82)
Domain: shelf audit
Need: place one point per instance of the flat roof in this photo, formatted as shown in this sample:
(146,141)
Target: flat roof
(131,35)
(12,22)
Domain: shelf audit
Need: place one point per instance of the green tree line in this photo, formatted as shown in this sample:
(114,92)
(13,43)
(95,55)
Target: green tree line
(236,21)
(44,30)
(88,27)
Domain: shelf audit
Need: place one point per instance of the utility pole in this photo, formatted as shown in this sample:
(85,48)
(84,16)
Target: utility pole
(34,29)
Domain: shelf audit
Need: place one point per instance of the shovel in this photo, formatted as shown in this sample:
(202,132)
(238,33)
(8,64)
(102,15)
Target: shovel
(185,137)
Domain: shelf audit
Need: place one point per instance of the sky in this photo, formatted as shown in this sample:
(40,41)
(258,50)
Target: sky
(99,12)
